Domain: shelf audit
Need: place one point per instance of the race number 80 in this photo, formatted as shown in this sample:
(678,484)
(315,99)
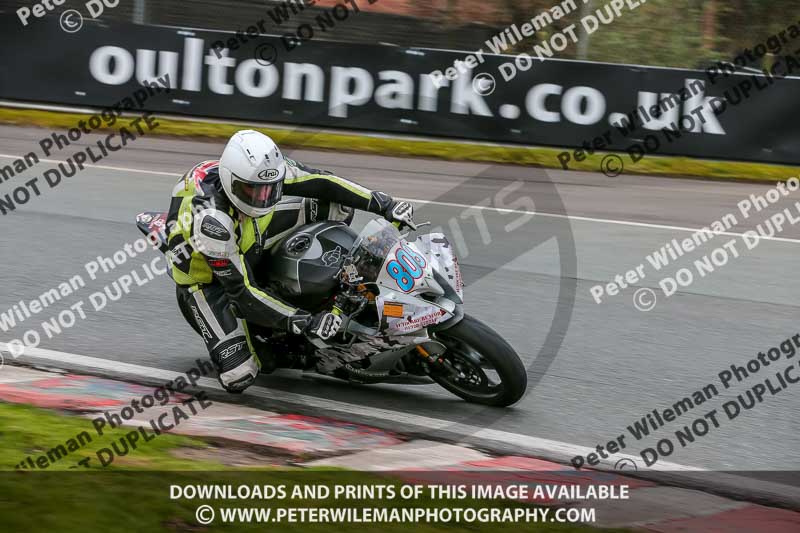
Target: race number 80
(406,267)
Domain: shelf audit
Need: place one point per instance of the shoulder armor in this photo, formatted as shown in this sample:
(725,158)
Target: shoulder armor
(214,234)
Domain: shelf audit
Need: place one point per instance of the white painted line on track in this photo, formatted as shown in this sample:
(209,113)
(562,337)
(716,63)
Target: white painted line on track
(591,219)
(106,167)
(466,206)
(525,443)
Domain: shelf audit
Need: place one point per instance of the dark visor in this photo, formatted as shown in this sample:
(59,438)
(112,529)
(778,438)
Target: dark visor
(258,195)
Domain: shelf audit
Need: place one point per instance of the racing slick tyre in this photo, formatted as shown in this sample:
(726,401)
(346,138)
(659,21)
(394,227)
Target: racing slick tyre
(484,368)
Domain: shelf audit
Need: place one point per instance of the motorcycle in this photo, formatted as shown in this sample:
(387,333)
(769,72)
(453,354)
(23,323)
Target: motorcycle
(402,308)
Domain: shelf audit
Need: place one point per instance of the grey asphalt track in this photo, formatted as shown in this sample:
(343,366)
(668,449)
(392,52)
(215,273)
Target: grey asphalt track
(616,363)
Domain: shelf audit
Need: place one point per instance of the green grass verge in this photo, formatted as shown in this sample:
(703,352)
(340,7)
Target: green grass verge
(133,494)
(447,150)
(28,431)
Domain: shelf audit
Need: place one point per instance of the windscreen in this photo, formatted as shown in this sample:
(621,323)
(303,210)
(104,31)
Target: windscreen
(372,246)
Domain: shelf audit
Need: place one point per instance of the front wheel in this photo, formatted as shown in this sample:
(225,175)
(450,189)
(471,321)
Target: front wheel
(481,366)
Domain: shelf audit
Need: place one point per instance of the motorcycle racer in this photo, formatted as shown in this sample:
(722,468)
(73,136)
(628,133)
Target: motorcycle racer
(234,211)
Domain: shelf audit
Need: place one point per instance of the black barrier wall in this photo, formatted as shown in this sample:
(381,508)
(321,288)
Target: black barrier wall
(555,103)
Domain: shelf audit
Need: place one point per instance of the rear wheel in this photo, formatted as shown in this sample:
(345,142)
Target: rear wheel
(481,366)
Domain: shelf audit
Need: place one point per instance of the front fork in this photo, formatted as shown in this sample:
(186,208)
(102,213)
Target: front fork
(437,362)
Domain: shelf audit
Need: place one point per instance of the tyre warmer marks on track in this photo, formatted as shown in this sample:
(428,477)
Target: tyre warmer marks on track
(650,507)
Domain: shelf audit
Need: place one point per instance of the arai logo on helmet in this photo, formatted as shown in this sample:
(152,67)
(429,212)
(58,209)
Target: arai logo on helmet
(269,174)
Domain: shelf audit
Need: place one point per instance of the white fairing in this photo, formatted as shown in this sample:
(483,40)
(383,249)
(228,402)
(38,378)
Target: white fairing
(443,260)
(400,304)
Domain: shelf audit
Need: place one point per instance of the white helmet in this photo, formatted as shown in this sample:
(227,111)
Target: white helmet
(252,170)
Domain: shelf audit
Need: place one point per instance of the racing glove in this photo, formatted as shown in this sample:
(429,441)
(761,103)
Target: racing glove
(323,325)
(397,212)
(401,213)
